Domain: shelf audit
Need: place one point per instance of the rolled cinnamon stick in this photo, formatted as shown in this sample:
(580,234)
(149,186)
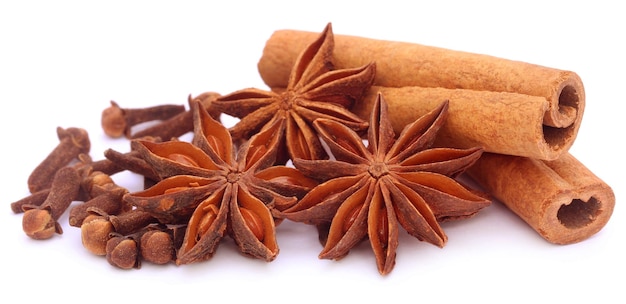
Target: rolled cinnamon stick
(561,199)
(500,122)
(400,64)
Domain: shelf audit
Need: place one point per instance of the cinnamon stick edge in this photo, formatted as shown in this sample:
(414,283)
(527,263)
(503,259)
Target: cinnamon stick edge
(562,200)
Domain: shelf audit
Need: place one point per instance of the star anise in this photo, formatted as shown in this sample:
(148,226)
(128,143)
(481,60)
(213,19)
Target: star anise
(315,90)
(369,190)
(215,192)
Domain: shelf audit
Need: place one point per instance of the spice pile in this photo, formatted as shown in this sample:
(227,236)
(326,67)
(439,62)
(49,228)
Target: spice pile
(368,162)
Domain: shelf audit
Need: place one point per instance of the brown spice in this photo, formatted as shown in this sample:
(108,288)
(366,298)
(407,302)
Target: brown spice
(181,123)
(403,64)
(500,122)
(314,90)
(368,191)
(117,121)
(158,247)
(109,201)
(86,165)
(206,186)
(122,251)
(96,230)
(72,142)
(132,162)
(84,168)
(567,204)
(152,243)
(40,222)
(93,181)
(34,199)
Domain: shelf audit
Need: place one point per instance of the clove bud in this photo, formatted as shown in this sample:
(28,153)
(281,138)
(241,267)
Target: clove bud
(40,222)
(182,123)
(96,230)
(34,199)
(123,251)
(117,121)
(109,201)
(72,142)
(157,246)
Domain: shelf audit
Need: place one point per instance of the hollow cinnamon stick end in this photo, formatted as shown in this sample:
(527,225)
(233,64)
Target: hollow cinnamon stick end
(564,115)
(572,217)
(562,200)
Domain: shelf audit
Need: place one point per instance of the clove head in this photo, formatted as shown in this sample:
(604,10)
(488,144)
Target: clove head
(122,252)
(96,179)
(76,141)
(114,121)
(157,247)
(95,232)
(39,224)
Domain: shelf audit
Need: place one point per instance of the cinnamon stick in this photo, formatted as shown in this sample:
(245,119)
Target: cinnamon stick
(500,122)
(400,64)
(561,199)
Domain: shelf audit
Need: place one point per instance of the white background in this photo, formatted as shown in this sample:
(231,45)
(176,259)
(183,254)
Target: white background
(61,63)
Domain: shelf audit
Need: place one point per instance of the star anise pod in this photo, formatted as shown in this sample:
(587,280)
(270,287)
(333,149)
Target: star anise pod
(369,190)
(215,190)
(315,90)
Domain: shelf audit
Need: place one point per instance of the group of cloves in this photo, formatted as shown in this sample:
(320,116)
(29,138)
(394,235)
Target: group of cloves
(109,226)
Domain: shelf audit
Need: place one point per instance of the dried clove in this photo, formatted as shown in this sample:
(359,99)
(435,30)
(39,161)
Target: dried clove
(153,243)
(117,121)
(40,222)
(86,165)
(182,123)
(83,167)
(94,182)
(157,246)
(34,199)
(96,230)
(109,201)
(132,162)
(72,142)
(122,251)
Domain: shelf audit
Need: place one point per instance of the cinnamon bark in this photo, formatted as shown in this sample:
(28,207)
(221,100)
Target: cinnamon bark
(500,122)
(400,64)
(561,199)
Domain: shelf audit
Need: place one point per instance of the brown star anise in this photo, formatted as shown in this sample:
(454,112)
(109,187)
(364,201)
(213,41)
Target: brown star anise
(205,185)
(315,90)
(369,190)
